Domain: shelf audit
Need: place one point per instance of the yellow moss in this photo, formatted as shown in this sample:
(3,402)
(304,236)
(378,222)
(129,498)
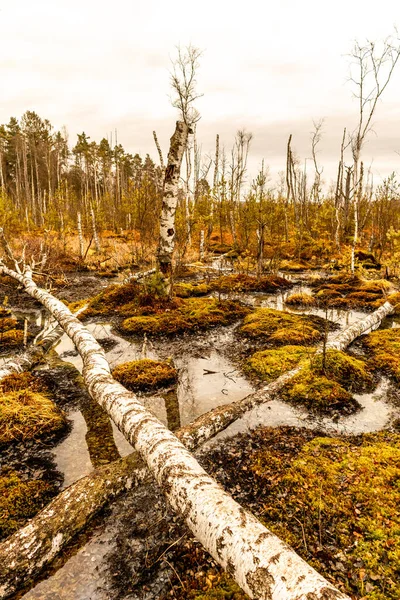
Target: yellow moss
(301,299)
(384,345)
(316,392)
(21,381)
(221,587)
(20,500)
(112,299)
(145,375)
(270,364)
(25,414)
(186,290)
(11,338)
(347,370)
(345,496)
(294,265)
(247,283)
(78,304)
(283,328)
(7,323)
(191,314)
(323,385)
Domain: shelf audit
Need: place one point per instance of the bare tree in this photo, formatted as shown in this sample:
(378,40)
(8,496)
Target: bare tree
(371,69)
(315,140)
(183,82)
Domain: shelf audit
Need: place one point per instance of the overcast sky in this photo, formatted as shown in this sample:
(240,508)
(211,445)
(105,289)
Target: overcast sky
(269,67)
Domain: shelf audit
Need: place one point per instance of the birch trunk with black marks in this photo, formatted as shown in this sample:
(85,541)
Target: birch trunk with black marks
(170,198)
(91,493)
(264,566)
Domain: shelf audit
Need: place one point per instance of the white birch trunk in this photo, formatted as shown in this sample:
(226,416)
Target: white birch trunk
(201,249)
(170,198)
(80,236)
(264,566)
(28,551)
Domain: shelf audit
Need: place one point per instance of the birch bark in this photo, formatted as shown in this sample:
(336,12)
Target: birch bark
(264,566)
(170,198)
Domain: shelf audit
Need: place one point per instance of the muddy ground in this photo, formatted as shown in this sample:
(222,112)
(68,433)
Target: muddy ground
(136,548)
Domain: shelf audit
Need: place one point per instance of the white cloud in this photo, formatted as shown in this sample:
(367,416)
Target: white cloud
(270,67)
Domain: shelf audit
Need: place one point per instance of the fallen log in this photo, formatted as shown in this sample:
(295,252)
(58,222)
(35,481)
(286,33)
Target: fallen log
(91,493)
(260,562)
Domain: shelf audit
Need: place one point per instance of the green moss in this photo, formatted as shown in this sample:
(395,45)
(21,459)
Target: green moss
(279,327)
(347,370)
(25,414)
(384,345)
(324,385)
(336,503)
(145,375)
(301,299)
(247,283)
(191,314)
(270,364)
(20,500)
(316,392)
(187,290)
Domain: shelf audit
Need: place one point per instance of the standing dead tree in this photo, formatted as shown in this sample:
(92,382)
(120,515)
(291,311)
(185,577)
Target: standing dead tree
(261,563)
(372,67)
(183,82)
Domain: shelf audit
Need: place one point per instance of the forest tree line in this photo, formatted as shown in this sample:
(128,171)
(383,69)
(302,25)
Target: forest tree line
(45,184)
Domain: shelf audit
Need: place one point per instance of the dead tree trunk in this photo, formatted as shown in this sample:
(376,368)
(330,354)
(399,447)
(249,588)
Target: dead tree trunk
(18,562)
(170,198)
(261,563)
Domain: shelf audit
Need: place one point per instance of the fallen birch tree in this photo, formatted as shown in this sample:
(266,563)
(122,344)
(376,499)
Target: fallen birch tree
(263,565)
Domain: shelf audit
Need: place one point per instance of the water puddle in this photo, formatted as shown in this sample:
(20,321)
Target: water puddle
(375,414)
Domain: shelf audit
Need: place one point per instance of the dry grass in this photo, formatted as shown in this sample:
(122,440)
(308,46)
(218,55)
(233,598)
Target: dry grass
(25,414)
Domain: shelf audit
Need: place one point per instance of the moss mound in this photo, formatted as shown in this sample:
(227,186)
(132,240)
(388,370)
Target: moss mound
(11,339)
(267,365)
(22,381)
(294,266)
(111,300)
(187,290)
(301,299)
(336,503)
(324,386)
(190,315)
(247,283)
(347,370)
(317,393)
(145,375)
(20,500)
(344,291)
(25,414)
(279,327)
(384,346)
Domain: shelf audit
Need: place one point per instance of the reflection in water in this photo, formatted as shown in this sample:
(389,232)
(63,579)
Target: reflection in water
(99,436)
(172,409)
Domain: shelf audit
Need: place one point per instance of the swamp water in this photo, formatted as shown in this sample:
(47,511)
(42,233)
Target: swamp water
(207,378)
